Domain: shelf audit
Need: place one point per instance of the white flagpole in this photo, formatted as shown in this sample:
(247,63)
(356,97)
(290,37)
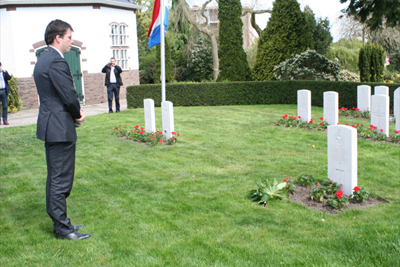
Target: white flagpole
(162,11)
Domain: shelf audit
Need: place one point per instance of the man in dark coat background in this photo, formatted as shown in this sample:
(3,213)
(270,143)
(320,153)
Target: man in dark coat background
(59,114)
(113,82)
(4,91)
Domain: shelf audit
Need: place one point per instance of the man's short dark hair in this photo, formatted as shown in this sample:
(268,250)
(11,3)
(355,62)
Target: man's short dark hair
(56,27)
(113,58)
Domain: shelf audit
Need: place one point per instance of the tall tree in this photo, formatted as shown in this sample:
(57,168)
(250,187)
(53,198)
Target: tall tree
(320,32)
(375,13)
(287,33)
(371,63)
(233,64)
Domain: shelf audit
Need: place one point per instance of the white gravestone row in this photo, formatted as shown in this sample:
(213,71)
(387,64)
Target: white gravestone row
(342,157)
(396,108)
(380,113)
(364,98)
(167,117)
(331,107)
(304,105)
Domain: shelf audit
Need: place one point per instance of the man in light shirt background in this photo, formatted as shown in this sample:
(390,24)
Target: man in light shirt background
(113,82)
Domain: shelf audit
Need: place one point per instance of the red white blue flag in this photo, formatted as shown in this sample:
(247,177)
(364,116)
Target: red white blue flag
(155,25)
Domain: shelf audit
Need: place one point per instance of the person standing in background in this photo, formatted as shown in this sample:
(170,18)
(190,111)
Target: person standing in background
(4,91)
(113,82)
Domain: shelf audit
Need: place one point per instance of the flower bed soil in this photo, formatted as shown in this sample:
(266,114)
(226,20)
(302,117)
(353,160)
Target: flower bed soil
(302,197)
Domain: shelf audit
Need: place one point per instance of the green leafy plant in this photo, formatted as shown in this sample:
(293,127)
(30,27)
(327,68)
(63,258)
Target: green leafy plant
(338,201)
(318,193)
(306,180)
(268,190)
(330,187)
(322,125)
(360,194)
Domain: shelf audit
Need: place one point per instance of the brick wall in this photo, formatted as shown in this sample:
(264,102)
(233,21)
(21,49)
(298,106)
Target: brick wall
(95,91)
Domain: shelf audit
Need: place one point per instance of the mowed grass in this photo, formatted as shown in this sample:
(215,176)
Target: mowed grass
(185,205)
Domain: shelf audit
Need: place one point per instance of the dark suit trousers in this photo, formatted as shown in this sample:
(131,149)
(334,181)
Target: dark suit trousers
(4,100)
(60,177)
(113,88)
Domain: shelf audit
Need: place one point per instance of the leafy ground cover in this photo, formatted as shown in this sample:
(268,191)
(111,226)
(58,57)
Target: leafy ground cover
(186,205)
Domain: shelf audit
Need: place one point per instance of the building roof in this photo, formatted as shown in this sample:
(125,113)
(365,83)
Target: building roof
(123,4)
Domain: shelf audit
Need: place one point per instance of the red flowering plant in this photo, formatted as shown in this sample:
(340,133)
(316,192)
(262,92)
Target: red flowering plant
(323,189)
(360,194)
(291,121)
(337,201)
(322,124)
(396,136)
(289,186)
(355,112)
(139,134)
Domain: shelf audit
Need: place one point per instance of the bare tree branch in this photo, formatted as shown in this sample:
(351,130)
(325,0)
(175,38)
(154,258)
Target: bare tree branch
(253,13)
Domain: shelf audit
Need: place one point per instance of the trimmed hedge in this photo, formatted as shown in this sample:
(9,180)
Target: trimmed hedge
(247,93)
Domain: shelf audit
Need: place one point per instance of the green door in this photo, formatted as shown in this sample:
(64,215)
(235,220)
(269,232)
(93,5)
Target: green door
(73,59)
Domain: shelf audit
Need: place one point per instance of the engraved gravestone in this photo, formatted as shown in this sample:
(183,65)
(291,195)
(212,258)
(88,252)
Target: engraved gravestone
(331,107)
(304,105)
(342,156)
(380,113)
(381,90)
(167,118)
(364,97)
(149,115)
(396,108)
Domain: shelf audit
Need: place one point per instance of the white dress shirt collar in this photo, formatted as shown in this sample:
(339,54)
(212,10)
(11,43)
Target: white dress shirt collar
(57,50)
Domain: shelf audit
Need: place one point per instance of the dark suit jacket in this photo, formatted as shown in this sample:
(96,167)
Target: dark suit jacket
(7,77)
(117,71)
(59,104)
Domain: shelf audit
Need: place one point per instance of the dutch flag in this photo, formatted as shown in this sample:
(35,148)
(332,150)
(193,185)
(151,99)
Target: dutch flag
(155,25)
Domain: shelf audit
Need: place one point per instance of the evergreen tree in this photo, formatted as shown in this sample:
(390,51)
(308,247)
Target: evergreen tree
(371,63)
(287,33)
(319,32)
(233,64)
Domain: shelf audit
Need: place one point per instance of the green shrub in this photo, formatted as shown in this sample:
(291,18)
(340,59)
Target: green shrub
(246,93)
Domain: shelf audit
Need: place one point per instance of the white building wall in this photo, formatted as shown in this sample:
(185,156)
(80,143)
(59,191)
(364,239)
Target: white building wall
(22,28)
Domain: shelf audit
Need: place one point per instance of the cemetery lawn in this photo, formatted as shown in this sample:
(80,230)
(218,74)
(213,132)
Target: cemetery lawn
(186,205)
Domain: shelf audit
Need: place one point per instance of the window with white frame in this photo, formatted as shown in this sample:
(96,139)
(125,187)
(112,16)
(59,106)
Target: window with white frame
(119,44)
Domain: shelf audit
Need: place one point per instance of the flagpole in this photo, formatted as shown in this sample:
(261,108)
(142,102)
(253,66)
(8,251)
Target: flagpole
(162,33)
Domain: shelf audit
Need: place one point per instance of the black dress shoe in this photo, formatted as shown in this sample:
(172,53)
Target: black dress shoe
(74,235)
(110,111)
(117,111)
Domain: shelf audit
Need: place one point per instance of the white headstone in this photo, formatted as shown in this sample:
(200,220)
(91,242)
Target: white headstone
(396,108)
(381,90)
(149,115)
(331,107)
(304,105)
(380,113)
(342,156)
(364,97)
(167,118)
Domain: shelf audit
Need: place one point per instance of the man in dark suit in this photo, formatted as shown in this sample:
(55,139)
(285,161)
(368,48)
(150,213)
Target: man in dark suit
(113,82)
(59,114)
(4,91)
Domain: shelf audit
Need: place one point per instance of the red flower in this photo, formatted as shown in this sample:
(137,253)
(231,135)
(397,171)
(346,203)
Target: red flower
(173,133)
(321,118)
(339,194)
(356,189)
(375,127)
(371,129)
(312,120)
(391,111)
(357,109)
(285,180)
(126,127)
(318,185)
(136,126)
(347,124)
(294,118)
(338,123)
(362,125)
(397,131)
(358,124)
(173,139)
(134,130)
(165,131)
(285,116)
(321,123)
(141,128)
(372,126)
(299,117)
(153,138)
(160,140)
(353,126)
(177,134)
(140,132)
(381,130)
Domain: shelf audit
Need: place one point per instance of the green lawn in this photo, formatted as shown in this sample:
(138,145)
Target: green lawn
(185,205)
